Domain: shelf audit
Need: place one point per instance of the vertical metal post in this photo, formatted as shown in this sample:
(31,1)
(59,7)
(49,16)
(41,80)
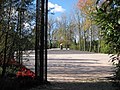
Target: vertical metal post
(41,41)
(41,52)
(46,28)
(20,27)
(18,32)
(37,63)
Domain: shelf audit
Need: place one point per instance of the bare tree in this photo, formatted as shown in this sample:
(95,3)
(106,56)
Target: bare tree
(51,26)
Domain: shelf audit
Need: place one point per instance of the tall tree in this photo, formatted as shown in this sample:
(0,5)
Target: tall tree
(8,16)
(78,17)
(87,7)
(51,26)
(64,30)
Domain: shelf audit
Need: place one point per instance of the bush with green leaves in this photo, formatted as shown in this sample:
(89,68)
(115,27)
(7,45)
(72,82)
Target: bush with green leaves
(107,16)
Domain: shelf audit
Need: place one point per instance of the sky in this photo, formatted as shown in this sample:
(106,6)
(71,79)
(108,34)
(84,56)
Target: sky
(61,6)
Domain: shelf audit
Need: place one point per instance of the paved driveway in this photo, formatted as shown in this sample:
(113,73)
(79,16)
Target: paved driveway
(71,65)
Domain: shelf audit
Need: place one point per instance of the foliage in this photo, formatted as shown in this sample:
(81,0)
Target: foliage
(11,68)
(64,32)
(24,72)
(115,60)
(9,16)
(107,17)
(17,77)
(74,47)
(87,7)
(15,28)
(104,47)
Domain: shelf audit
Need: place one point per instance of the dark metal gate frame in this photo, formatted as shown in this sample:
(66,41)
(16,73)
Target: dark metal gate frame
(41,40)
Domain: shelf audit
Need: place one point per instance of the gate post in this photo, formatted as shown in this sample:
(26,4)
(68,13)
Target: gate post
(41,40)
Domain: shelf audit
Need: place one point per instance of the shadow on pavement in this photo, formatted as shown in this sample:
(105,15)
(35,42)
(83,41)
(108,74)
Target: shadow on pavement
(68,52)
(103,85)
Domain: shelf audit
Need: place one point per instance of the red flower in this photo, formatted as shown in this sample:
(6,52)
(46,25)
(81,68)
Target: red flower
(25,72)
(23,69)
(19,73)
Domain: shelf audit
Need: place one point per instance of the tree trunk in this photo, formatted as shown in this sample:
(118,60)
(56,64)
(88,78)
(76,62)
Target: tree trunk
(84,41)
(91,34)
(90,48)
(6,38)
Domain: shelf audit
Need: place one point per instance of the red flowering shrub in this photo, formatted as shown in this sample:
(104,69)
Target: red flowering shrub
(24,72)
(12,67)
